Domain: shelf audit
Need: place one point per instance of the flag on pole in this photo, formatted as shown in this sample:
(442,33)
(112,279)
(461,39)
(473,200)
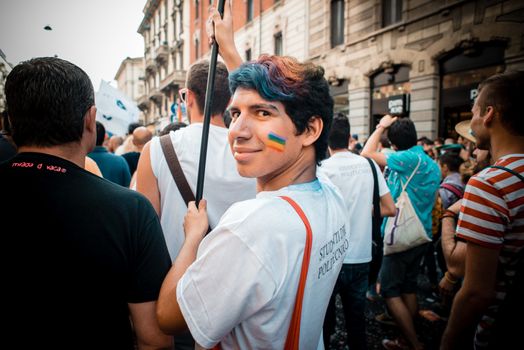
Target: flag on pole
(114,109)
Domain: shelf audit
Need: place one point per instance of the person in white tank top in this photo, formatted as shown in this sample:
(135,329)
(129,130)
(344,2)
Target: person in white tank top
(237,287)
(223,185)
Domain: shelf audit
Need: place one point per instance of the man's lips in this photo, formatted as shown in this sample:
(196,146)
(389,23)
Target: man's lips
(244,153)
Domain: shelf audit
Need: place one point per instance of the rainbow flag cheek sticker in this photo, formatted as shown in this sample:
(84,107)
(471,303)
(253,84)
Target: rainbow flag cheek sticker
(276,142)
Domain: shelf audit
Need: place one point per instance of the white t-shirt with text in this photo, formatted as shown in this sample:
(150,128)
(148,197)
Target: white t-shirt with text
(352,175)
(242,288)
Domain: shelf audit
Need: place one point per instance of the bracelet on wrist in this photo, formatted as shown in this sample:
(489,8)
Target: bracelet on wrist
(450,212)
(448,216)
(449,277)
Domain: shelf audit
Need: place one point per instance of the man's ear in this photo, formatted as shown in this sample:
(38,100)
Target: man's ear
(489,116)
(90,119)
(313,130)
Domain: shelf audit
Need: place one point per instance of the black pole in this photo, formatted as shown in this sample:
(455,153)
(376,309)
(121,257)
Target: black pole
(207,112)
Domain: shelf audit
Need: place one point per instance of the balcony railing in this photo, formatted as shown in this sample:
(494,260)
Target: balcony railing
(161,54)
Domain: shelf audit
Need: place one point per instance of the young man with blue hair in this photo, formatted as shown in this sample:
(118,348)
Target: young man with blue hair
(238,286)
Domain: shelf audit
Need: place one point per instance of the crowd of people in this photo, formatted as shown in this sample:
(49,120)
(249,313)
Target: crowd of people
(111,250)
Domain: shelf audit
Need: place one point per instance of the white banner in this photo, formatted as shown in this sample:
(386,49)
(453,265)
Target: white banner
(114,109)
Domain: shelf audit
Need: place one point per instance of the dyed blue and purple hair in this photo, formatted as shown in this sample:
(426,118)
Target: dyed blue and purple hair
(300,87)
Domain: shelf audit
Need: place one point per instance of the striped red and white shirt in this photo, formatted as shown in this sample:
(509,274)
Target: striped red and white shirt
(492,215)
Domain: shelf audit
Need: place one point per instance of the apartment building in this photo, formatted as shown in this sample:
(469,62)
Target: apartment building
(5,68)
(130,77)
(274,27)
(166,58)
(419,58)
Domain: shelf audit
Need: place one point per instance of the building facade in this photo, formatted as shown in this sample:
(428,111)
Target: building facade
(419,58)
(166,58)
(5,68)
(273,27)
(130,77)
(130,80)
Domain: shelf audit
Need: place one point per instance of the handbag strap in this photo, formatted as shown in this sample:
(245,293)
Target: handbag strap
(293,333)
(412,174)
(453,189)
(176,169)
(376,202)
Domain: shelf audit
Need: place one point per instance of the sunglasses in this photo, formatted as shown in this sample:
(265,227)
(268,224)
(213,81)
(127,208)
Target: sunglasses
(182,93)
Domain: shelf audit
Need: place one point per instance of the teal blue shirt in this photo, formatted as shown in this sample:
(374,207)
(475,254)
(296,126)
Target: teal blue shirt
(422,189)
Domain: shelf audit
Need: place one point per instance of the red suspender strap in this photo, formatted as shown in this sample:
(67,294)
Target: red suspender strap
(293,334)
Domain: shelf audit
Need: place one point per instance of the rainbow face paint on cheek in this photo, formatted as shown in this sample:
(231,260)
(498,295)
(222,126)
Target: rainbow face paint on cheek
(276,142)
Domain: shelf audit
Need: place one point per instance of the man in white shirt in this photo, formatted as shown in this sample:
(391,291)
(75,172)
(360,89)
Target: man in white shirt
(223,185)
(353,176)
(238,286)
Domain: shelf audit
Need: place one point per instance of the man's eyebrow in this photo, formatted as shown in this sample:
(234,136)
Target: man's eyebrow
(264,105)
(258,106)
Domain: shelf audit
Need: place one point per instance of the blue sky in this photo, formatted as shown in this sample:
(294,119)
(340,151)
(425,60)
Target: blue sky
(96,35)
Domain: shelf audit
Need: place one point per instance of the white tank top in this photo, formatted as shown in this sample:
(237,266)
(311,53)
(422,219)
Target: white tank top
(223,185)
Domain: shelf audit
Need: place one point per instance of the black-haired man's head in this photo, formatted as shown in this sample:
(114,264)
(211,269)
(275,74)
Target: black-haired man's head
(339,133)
(403,134)
(47,100)
(100,133)
(197,84)
(131,127)
(503,92)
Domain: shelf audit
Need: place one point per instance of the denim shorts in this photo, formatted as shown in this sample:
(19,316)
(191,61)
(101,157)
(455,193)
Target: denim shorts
(399,272)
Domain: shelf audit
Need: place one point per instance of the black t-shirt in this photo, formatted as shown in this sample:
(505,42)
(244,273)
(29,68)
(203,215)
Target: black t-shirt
(132,160)
(76,249)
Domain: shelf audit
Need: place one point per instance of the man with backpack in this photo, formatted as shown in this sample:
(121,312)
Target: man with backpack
(222,183)
(357,182)
(491,220)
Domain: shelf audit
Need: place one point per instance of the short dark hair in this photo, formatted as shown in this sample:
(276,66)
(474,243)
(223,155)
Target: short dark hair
(132,126)
(425,141)
(504,93)
(384,141)
(300,87)
(452,160)
(197,83)
(339,133)
(47,99)
(403,134)
(174,126)
(100,133)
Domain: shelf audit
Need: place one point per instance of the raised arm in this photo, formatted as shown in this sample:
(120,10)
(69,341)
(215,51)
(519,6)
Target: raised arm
(221,30)
(371,146)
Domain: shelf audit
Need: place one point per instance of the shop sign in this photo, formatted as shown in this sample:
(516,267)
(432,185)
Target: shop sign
(473,93)
(398,104)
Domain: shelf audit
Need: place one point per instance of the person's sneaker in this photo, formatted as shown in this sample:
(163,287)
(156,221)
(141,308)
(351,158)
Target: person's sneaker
(385,319)
(394,344)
